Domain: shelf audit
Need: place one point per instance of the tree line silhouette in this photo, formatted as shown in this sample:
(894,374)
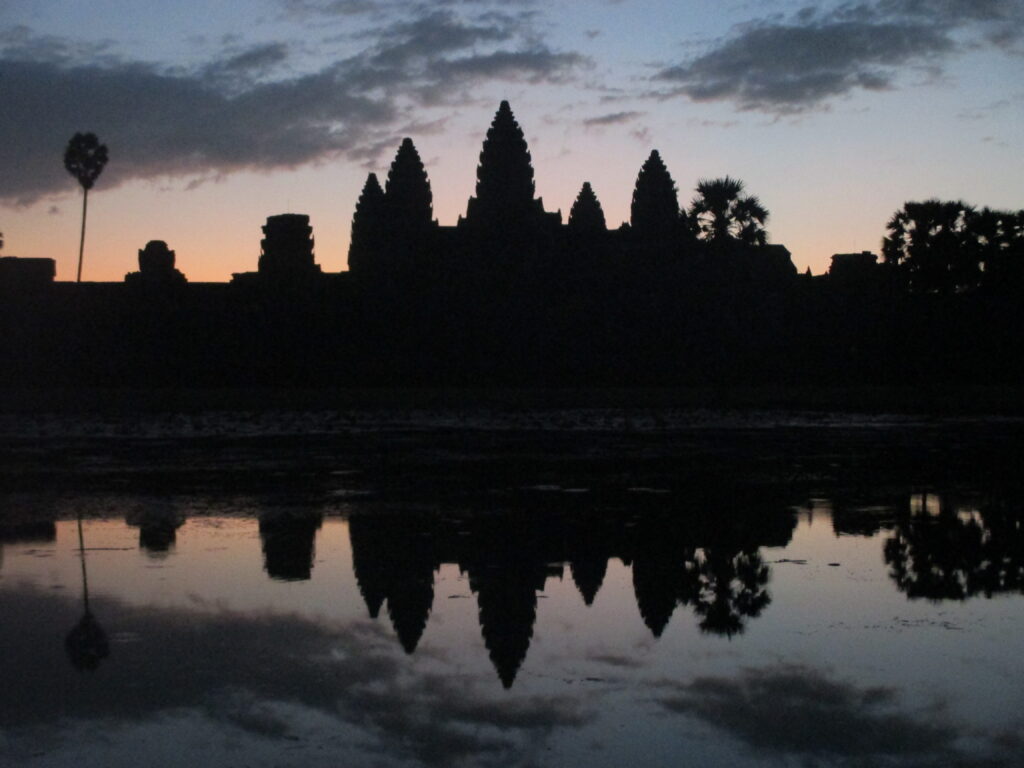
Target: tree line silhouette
(510,295)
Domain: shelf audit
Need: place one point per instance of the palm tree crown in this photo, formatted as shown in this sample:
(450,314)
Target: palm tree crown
(84,158)
(720,212)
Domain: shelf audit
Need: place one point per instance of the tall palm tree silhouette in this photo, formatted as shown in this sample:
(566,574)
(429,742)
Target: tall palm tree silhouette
(721,212)
(86,643)
(84,159)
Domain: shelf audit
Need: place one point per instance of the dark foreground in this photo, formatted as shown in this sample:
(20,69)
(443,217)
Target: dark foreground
(510,586)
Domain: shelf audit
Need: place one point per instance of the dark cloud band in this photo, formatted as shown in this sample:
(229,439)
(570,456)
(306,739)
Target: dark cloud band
(802,62)
(241,111)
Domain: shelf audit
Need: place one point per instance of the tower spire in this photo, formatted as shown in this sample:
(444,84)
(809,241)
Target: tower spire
(654,213)
(504,178)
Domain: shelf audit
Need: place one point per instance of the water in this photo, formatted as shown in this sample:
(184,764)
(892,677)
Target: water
(846,594)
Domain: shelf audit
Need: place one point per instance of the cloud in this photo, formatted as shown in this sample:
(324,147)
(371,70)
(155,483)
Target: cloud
(434,34)
(306,8)
(247,110)
(788,65)
(615,118)
(534,66)
(341,9)
(801,713)
(252,665)
(258,58)
(157,124)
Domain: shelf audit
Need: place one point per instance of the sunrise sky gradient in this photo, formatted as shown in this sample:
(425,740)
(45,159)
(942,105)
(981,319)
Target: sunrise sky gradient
(220,114)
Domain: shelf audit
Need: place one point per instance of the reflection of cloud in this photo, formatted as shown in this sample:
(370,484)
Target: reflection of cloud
(798,711)
(615,660)
(247,109)
(786,65)
(243,669)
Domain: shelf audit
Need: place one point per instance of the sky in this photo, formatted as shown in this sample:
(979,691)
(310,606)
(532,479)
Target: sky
(217,115)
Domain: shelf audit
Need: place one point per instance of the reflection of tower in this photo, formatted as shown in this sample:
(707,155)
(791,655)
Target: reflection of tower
(41,531)
(410,599)
(590,542)
(289,543)
(588,573)
(158,524)
(369,560)
(507,597)
(86,643)
(506,566)
(653,582)
(394,560)
(662,574)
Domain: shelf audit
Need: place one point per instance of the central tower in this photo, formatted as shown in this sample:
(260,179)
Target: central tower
(504,200)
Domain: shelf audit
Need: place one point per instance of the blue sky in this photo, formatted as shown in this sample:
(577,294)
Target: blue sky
(219,114)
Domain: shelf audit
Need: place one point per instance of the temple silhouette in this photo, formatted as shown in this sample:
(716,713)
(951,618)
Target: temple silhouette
(514,295)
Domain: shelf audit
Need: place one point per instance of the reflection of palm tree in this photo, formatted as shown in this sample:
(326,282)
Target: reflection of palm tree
(86,643)
(958,553)
(84,159)
(731,589)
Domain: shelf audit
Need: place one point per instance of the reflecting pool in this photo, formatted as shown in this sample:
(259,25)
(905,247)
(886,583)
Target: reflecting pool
(808,595)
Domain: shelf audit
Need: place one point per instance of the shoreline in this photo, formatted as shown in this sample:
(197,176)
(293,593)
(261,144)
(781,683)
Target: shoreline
(944,400)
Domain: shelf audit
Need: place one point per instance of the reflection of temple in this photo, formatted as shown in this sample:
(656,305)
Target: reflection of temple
(158,523)
(289,543)
(713,566)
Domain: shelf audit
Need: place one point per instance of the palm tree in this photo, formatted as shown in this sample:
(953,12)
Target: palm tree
(932,246)
(721,212)
(84,159)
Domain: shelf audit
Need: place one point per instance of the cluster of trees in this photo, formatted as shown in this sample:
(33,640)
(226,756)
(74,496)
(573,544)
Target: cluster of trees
(938,246)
